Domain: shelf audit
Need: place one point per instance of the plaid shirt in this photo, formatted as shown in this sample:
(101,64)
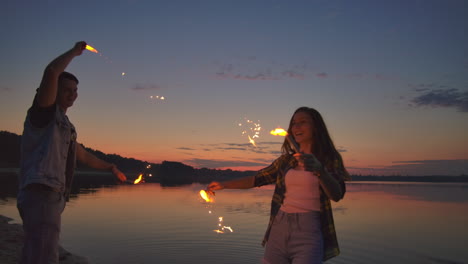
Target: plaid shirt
(276,172)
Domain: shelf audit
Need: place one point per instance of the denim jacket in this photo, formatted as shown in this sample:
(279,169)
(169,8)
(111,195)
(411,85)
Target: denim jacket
(48,154)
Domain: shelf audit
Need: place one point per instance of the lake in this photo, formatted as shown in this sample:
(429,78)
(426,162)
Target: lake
(376,222)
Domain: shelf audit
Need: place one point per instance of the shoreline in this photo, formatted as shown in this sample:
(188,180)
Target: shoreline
(11,242)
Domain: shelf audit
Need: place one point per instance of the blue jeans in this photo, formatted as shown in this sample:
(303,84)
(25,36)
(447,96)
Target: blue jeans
(41,210)
(295,238)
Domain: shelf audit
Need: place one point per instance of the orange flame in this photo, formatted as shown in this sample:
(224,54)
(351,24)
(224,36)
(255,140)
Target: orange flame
(279,132)
(88,47)
(208,198)
(139,179)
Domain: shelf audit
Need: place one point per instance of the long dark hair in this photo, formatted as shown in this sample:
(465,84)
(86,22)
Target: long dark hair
(324,149)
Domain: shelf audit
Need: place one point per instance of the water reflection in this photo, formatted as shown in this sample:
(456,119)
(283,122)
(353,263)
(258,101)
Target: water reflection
(439,192)
(149,223)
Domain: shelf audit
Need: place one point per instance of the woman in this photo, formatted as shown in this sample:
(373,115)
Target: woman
(301,228)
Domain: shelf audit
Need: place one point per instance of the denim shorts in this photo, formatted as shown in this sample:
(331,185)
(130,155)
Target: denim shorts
(40,209)
(295,238)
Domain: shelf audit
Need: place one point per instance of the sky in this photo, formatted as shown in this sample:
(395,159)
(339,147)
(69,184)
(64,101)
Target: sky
(389,77)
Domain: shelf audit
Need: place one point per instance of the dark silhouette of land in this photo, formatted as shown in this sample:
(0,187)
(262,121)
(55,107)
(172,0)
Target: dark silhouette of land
(168,173)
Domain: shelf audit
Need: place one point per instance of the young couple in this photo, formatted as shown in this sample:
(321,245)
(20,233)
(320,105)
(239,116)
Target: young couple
(301,228)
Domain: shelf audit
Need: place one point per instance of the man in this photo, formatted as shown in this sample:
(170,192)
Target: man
(49,151)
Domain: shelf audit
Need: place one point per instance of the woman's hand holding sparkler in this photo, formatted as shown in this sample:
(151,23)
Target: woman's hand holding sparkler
(213,186)
(309,162)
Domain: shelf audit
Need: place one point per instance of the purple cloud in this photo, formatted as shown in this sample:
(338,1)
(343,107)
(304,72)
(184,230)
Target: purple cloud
(139,87)
(208,163)
(322,75)
(442,98)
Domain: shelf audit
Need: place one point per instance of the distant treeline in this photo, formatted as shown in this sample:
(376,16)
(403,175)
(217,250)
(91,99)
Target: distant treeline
(177,173)
(166,173)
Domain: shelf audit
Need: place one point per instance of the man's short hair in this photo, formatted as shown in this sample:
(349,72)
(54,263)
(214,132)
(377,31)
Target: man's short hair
(69,76)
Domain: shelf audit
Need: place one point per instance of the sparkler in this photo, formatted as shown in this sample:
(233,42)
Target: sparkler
(92,49)
(207,196)
(251,129)
(88,47)
(141,176)
(289,138)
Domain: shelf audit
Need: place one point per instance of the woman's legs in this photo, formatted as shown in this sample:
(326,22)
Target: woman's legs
(295,238)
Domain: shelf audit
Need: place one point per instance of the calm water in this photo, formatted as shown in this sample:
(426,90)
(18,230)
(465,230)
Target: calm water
(376,223)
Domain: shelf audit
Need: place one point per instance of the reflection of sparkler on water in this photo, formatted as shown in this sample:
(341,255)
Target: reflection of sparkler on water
(251,129)
(222,227)
(207,196)
(284,133)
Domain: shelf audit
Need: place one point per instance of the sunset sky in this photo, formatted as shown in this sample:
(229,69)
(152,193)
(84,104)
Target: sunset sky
(389,77)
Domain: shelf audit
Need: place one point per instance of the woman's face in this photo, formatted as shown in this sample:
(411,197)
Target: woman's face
(302,128)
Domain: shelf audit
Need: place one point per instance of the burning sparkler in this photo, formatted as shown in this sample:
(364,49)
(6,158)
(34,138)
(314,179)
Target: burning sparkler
(141,176)
(207,196)
(138,180)
(92,49)
(251,129)
(88,47)
(289,138)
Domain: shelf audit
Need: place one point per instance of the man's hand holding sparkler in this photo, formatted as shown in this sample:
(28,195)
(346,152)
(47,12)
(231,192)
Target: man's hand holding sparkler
(117,173)
(78,48)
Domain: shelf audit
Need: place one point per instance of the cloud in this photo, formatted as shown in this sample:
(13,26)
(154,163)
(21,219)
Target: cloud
(253,69)
(441,98)
(341,149)
(139,87)
(4,89)
(185,148)
(209,163)
(294,75)
(255,77)
(322,75)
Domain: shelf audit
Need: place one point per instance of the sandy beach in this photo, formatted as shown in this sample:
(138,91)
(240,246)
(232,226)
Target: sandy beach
(11,242)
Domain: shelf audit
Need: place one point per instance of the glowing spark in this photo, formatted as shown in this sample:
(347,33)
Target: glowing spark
(252,141)
(251,129)
(228,228)
(123,73)
(88,47)
(218,231)
(162,98)
(139,179)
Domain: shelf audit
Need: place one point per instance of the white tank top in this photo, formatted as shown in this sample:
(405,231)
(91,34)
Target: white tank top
(302,192)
